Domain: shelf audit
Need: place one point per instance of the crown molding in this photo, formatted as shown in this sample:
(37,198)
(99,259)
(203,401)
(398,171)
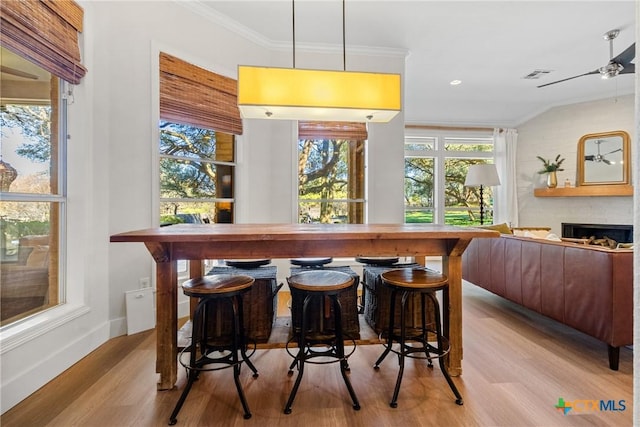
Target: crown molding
(222,20)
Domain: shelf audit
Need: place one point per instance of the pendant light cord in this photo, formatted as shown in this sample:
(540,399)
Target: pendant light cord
(344,43)
(293,20)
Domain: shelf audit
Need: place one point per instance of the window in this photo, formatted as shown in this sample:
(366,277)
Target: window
(331,158)
(196,175)
(199,118)
(32,181)
(436,164)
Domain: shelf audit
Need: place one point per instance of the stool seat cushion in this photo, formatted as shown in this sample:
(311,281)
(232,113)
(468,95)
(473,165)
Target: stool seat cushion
(309,262)
(377,260)
(216,284)
(320,280)
(415,278)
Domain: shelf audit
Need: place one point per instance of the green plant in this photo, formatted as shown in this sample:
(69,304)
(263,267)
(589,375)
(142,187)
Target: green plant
(170,219)
(549,166)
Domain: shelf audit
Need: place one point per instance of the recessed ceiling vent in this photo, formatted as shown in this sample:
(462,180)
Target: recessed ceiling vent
(536,74)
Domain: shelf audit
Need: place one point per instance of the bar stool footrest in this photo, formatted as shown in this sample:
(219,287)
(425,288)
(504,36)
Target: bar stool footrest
(331,352)
(409,350)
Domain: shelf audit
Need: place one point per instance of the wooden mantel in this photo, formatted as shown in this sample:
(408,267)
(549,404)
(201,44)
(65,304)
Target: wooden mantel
(585,191)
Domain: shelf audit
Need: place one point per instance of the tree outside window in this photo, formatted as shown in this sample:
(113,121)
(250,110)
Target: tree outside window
(436,165)
(196,175)
(330,181)
(32,191)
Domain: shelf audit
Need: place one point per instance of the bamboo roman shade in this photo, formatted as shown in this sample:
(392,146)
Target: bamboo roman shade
(194,96)
(353,131)
(46,33)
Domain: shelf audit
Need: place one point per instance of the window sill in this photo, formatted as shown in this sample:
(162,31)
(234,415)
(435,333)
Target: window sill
(20,332)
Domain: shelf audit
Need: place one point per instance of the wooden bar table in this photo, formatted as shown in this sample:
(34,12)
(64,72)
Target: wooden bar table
(167,245)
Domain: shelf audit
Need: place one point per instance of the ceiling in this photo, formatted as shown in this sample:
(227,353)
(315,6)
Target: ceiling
(489,45)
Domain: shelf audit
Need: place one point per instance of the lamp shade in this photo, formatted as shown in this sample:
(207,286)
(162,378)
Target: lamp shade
(485,174)
(301,94)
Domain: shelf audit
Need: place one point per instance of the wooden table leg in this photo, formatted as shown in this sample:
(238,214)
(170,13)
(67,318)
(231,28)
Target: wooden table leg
(167,324)
(452,324)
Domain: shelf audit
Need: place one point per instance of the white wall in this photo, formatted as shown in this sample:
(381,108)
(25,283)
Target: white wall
(36,351)
(557,131)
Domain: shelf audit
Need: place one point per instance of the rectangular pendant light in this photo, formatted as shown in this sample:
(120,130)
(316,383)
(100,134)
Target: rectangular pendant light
(300,94)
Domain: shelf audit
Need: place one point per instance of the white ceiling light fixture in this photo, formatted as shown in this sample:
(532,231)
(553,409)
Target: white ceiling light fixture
(455,82)
(304,94)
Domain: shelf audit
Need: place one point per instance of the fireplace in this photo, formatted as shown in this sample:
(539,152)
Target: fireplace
(617,232)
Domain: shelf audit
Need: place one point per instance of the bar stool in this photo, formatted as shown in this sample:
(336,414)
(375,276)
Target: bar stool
(348,302)
(325,343)
(373,261)
(378,260)
(260,302)
(247,263)
(221,287)
(311,262)
(407,282)
(377,298)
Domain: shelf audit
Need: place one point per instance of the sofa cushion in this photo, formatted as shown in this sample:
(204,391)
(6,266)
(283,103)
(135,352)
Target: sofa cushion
(502,228)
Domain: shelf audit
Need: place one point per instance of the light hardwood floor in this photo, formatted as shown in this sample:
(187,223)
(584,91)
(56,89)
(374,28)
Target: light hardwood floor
(516,366)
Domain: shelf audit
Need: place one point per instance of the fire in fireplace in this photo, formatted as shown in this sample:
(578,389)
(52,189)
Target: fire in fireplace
(619,233)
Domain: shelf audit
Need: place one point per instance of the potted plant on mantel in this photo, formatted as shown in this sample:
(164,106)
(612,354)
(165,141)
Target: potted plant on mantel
(551,168)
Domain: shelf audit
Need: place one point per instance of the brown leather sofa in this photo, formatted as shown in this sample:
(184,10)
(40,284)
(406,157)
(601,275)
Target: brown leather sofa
(589,288)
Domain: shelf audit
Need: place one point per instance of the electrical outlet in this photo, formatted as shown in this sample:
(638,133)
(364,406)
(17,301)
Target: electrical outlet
(144,282)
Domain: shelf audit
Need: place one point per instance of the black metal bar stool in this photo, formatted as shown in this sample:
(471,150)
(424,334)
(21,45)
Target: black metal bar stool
(209,353)
(348,298)
(325,343)
(311,262)
(406,282)
(260,302)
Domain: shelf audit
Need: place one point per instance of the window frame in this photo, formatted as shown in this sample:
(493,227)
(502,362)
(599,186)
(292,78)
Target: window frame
(440,155)
(232,164)
(358,173)
(51,39)
(57,225)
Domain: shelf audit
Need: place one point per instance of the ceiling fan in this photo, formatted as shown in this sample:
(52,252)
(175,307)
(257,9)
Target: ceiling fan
(599,158)
(621,64)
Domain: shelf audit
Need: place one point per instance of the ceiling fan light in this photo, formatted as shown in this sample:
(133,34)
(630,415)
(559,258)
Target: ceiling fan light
(610,70)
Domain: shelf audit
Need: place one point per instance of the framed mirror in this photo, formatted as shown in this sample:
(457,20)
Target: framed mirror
(604,159)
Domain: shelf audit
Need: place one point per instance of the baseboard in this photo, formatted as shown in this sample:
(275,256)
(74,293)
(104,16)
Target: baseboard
(118,327)
(184,309)
(50,365)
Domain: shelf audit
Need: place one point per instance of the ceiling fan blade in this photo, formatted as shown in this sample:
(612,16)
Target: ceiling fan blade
(626,56)
(628,69)
(18,73)
(606,161)
(590,157)
(570,78)
(614,151)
